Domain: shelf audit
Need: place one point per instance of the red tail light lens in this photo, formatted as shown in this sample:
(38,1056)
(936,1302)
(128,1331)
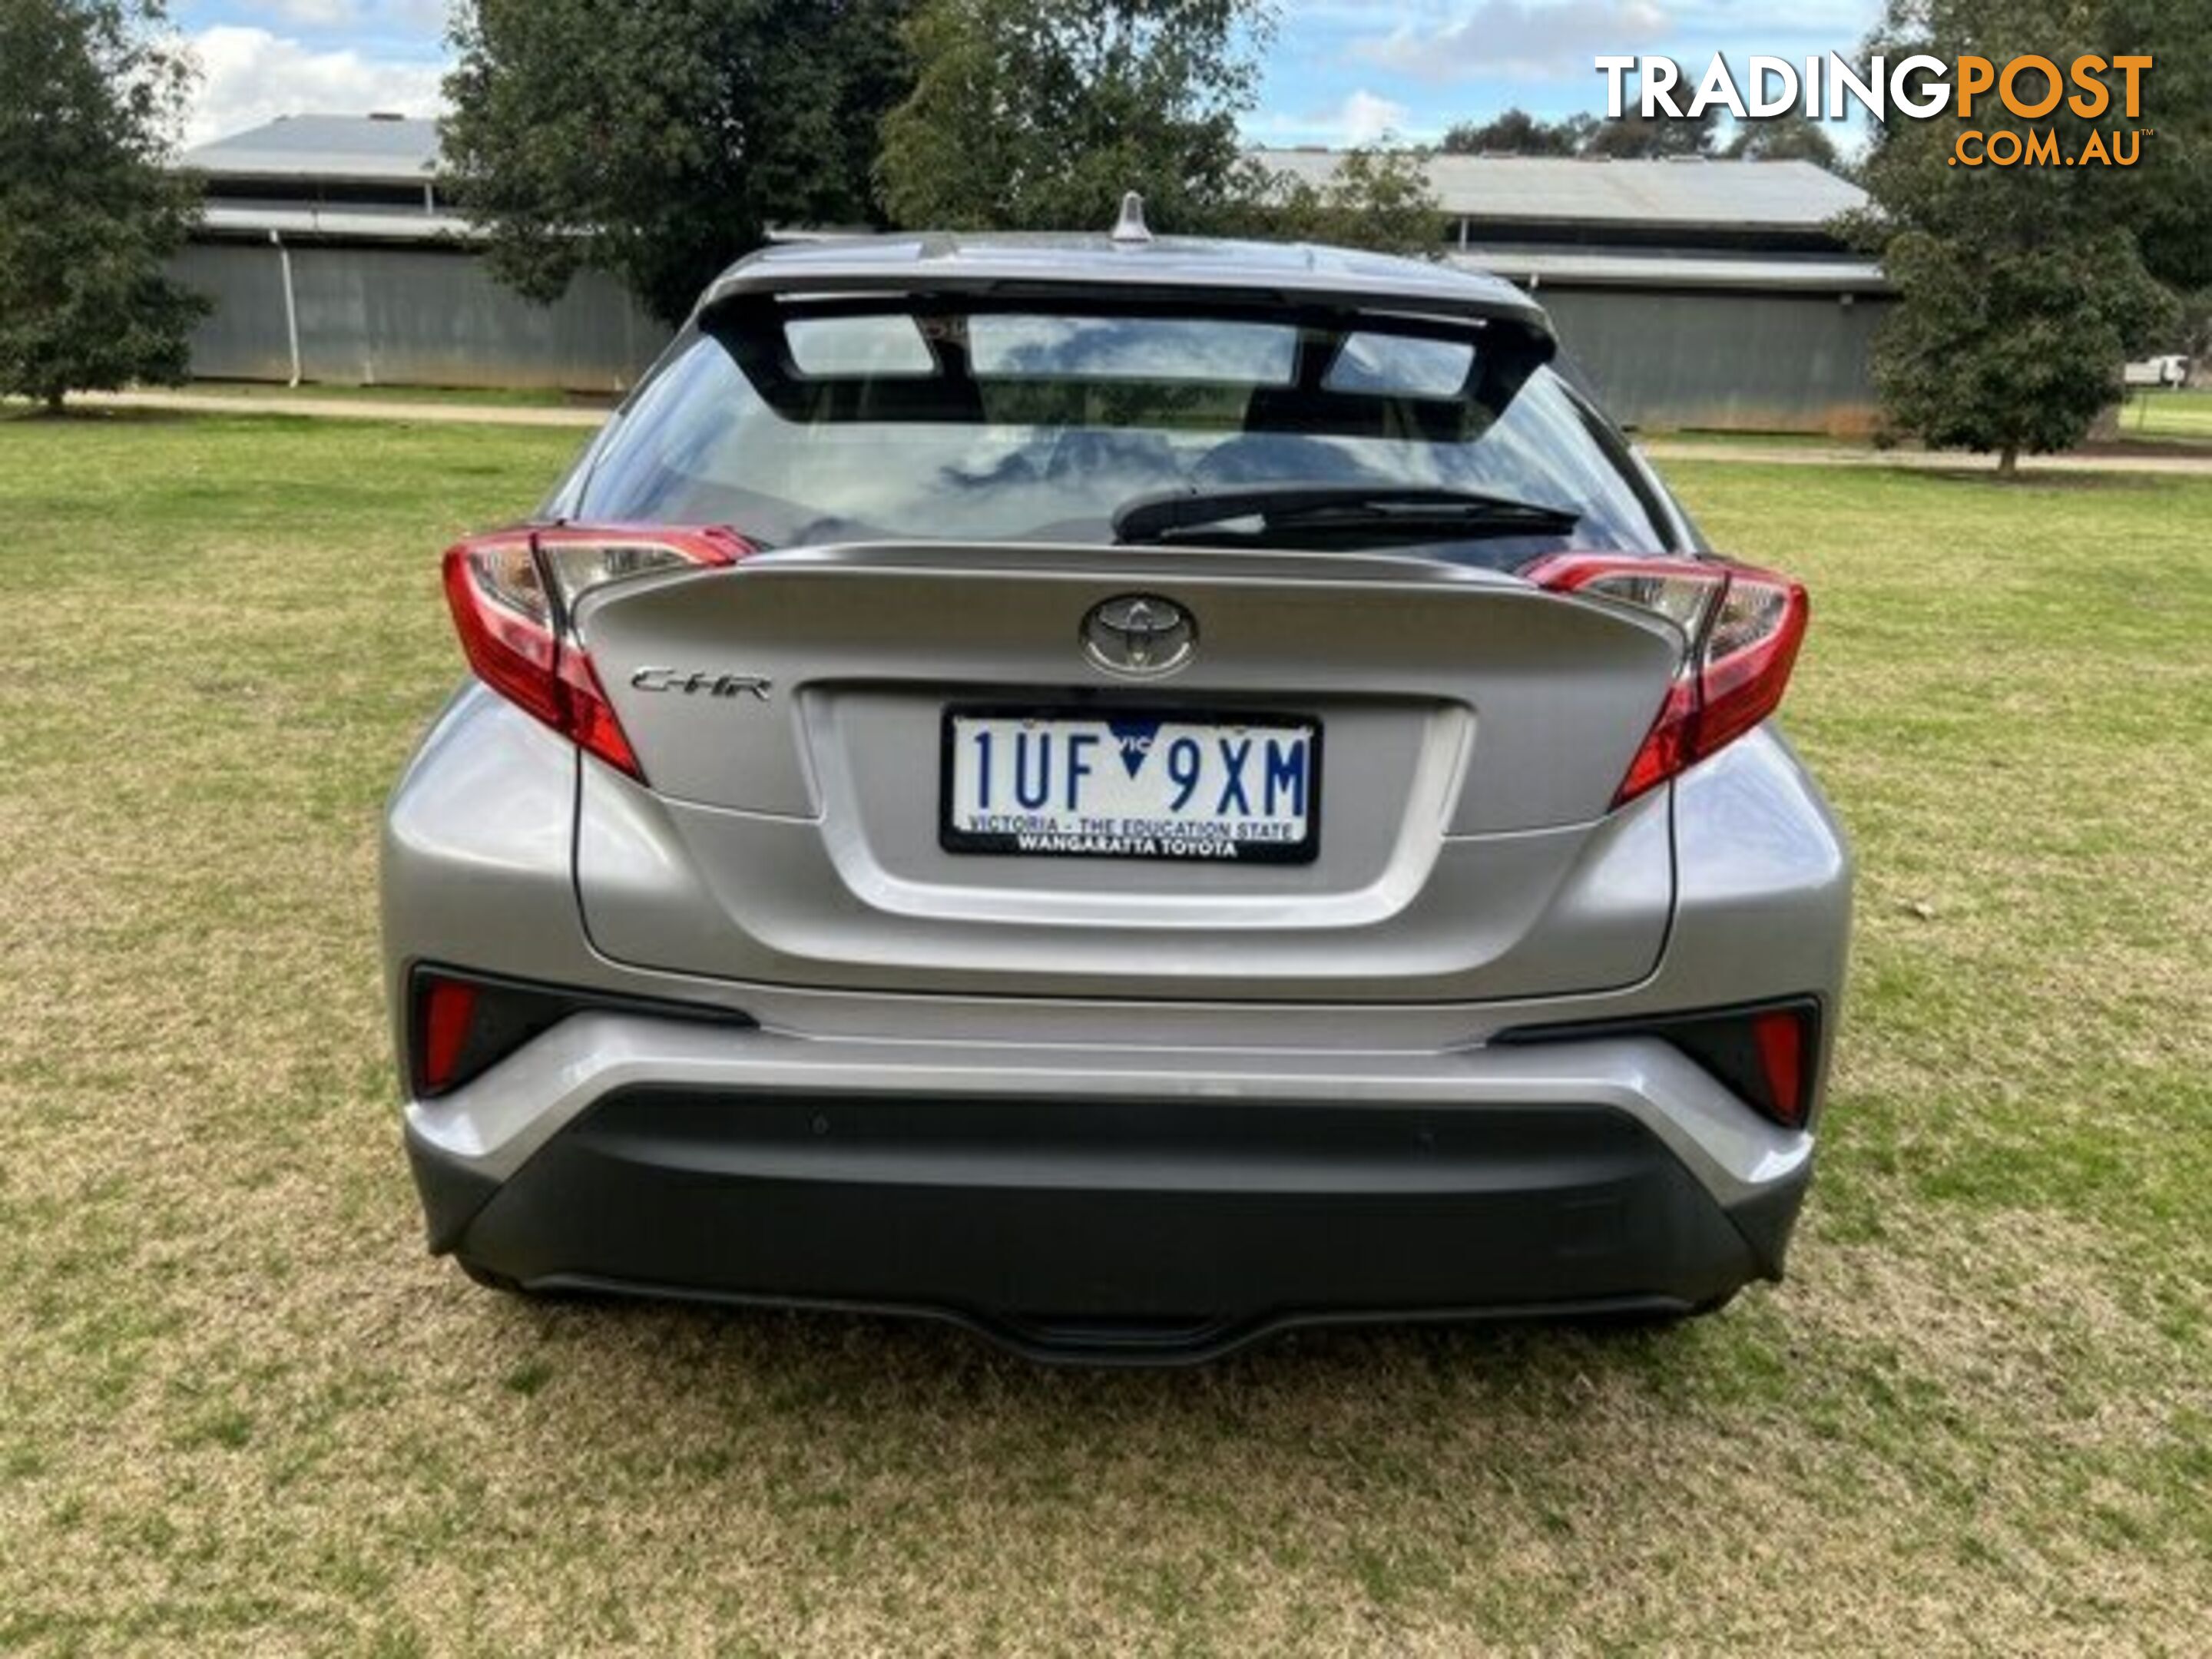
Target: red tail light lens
(1742,626)
(513,596)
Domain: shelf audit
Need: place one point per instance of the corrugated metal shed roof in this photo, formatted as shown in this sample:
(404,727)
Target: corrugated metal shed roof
(355,149)
(1536,268)
(1694,192)
(1503,189)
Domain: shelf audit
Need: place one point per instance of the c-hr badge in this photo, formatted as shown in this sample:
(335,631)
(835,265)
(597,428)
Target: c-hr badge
(700,684)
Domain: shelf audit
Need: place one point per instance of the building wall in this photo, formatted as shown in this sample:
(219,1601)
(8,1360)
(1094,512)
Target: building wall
(1742,362)
(407,315)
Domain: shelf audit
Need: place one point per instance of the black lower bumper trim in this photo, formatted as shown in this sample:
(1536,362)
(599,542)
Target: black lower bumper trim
(1137,1230)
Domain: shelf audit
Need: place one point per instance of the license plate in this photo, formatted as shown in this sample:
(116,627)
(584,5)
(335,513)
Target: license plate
(1083,785)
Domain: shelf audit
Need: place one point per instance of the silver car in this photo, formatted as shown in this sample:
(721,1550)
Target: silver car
(1127,792)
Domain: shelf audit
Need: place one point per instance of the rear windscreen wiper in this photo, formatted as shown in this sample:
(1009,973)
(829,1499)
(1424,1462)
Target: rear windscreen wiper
(1413,509)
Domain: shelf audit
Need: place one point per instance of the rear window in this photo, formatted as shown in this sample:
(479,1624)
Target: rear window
(1020,347)
(1020,425)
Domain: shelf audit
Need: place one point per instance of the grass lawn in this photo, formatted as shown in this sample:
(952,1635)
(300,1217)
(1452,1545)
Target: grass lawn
(2169,413)
(486,396)
(239,1408)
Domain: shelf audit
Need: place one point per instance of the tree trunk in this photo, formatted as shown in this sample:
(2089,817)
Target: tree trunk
(54,400)
(2008,461)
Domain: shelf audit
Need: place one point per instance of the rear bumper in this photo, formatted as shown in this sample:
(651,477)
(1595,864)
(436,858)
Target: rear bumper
(1151,1205)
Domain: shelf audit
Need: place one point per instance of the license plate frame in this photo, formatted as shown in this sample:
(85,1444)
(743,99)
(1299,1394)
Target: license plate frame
(953,839)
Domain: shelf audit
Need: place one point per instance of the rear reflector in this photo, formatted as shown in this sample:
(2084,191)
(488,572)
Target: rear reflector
(459,1025)
(513,596)
(462,1026)
(1764,1054)
(447,1007)
(1781,1034)
(1742,628)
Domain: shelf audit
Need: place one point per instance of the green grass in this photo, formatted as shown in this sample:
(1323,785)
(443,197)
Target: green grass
(2173,412)
(239,1408)
(486,396)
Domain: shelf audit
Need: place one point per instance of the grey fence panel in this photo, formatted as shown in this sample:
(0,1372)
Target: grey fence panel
(409,316)
(433,316)
(1747,362)
(243,337)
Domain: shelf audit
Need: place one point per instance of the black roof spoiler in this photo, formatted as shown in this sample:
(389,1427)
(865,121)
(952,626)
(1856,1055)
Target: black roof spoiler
(1213,276)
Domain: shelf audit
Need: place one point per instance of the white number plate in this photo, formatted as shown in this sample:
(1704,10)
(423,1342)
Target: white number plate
(1131,786)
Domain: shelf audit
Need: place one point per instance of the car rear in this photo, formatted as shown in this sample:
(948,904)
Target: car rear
(1127,798)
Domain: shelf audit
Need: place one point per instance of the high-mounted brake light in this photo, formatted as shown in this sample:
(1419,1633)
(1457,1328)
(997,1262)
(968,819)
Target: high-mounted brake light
(513,596)
(1742,628)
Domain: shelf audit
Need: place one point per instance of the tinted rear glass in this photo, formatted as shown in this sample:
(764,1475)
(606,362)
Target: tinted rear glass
(1015,426)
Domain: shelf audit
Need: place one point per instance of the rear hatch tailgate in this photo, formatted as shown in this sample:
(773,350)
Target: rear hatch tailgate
(1463,735)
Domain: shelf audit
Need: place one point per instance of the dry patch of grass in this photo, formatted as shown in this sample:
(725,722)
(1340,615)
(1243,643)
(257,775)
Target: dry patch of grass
(239,1408)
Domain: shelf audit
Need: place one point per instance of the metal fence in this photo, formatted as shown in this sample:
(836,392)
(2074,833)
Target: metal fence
(428,315)
(406,315)
(1734,361)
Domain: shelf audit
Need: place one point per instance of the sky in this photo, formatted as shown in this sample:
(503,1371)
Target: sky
(1338,72)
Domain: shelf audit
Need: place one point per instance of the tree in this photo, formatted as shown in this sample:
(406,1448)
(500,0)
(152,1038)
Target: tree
(1792,136)
(660,141)
(2012,353)
(90,97)
(1039,114)
(2020,289)
(1631,136)
(1516,132)
(2166,201)
(2193,334)
(1377,198)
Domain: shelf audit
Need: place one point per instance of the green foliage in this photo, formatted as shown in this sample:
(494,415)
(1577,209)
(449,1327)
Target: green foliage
(1039,117)
(2192,334)
(1377,198)
(2167,199)
(90,95)
(1631,137)
(1039,114)
(661,141)
(1516,132)
(2023,288)
(2012,353)
(1626,136)
(1791,136)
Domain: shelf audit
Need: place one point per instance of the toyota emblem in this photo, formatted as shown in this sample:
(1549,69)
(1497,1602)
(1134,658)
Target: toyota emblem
(1140,634)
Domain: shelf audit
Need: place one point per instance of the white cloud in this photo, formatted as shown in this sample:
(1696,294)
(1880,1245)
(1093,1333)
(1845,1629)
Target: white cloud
(1525,38)
(1361,118)
(310,14)
(388,17)
(1364,117)
(249,75)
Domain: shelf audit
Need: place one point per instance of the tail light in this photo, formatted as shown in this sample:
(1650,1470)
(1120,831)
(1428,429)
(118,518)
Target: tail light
(1742,626)
(513,596)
